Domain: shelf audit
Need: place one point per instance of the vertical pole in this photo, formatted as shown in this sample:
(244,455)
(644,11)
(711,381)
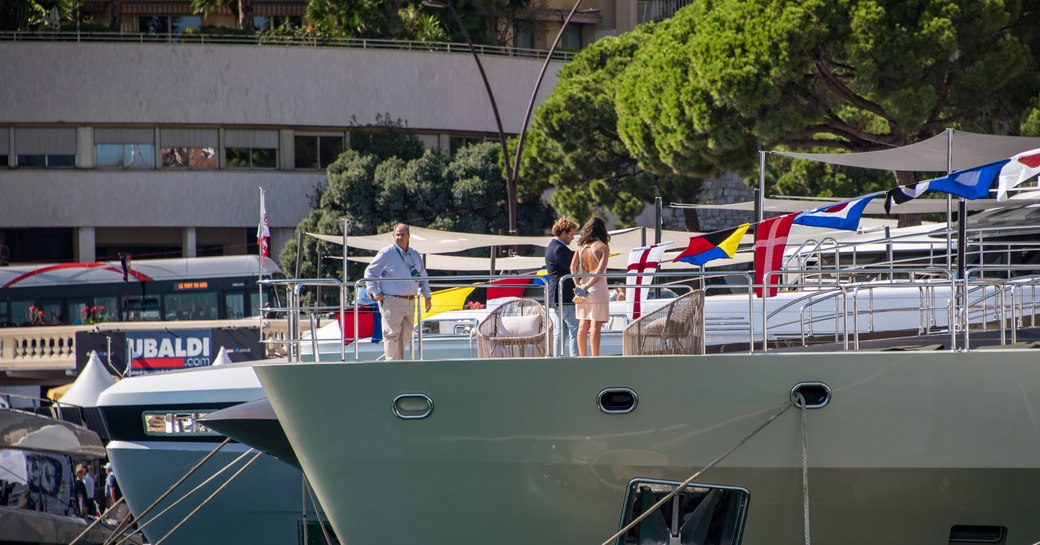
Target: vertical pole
(260,268)
(760,195)
(658,220)
(343,292)
(642,237)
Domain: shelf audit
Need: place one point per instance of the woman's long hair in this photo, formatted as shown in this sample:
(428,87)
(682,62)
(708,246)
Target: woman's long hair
(593,230)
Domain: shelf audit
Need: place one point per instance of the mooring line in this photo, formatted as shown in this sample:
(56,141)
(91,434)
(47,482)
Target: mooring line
(682,486)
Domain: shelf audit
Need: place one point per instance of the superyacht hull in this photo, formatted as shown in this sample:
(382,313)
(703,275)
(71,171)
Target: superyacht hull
(262,505)
(911,446)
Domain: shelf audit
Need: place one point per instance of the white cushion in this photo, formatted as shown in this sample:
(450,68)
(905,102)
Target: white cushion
(519,326)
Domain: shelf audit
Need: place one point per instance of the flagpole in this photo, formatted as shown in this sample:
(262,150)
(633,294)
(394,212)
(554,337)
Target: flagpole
(260,267)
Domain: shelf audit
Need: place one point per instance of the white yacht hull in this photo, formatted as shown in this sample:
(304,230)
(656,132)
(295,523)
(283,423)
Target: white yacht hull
(911,445)
(262,505)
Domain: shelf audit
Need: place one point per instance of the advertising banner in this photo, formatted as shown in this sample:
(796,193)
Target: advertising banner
(167,350)
(140,352)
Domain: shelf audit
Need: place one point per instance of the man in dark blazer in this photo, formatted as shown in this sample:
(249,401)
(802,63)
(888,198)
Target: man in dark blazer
(557,264)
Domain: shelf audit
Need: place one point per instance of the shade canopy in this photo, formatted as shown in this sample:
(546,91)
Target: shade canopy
(875,207)
(968,150)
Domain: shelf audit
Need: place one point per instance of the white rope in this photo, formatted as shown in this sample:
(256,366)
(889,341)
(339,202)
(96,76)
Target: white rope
(144,523)
(805,465)
(682,486)
(210,497)
(317,513)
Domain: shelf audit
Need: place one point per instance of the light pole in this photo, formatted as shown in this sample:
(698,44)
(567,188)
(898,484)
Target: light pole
(512,169)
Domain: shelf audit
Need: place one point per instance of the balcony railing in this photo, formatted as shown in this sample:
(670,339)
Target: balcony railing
(281,41)
(657,10)
(53,348)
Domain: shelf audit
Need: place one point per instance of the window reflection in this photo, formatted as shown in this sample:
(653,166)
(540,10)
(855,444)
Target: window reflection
(179,423)
(46,161)
(184,157)
(35,481)
(134,156)
(191,306)
(254,158)
(168,24)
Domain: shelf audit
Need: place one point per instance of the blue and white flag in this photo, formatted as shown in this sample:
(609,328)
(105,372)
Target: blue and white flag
(844,215)
(973,183)
(903,193)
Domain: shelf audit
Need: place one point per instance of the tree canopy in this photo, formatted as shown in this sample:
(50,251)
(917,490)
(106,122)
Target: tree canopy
(698,94)
(375,190)
(574,146)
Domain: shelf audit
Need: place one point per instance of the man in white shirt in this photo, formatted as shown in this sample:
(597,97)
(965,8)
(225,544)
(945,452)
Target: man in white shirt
(397,298)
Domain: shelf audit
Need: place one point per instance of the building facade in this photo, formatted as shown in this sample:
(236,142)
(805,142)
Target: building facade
(158,149)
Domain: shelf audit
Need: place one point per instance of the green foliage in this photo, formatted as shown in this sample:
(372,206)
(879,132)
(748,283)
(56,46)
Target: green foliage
(574,144)
(724,75)
(463,193)
(21,15)
(388,137)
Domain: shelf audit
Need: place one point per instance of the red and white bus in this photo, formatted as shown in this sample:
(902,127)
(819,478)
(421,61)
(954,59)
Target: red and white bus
(201,288)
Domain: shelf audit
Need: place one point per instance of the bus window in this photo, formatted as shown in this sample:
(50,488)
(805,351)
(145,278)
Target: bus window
(77,311)
(144,309)
(235,303)
(254,301)
(20,312)
(191,306)
(52,313)
(107,308)
(5,319)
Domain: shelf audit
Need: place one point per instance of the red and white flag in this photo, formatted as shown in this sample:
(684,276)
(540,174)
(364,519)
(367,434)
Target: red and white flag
(770,241)
(263,230)
(1018,169)
(643,261)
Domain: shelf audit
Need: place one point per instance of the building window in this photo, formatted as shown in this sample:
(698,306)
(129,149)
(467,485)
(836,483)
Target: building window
(459,142)
(5,146)
(316,151)
(524,37)
(125,155)
(573,38)
(261,22)
(251,149)
(124,148)
(189,148)
(45,148)
(168,24)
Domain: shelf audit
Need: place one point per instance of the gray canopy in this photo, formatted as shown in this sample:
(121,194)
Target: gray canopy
(968,150)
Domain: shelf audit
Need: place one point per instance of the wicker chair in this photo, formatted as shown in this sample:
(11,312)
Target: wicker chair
(675,328)
(514,330)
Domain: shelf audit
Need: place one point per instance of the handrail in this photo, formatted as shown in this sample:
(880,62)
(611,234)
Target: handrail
(273,40)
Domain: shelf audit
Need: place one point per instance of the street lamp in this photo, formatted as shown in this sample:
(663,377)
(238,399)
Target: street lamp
(512,169)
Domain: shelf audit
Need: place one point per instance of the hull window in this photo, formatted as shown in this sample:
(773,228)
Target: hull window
(700,514)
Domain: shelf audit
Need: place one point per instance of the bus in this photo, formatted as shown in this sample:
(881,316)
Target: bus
(199,288)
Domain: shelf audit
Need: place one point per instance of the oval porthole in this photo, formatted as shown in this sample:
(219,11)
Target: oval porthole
(617,400)
(412,406)
(816,394)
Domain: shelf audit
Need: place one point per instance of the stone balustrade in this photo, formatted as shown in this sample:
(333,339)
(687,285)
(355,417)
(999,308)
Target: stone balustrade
(53,348)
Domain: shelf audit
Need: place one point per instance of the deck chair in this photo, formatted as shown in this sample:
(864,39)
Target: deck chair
(675,328)
(514,330)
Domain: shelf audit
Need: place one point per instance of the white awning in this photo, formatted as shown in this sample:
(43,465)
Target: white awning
(431,241)
(968,150)
(875,207)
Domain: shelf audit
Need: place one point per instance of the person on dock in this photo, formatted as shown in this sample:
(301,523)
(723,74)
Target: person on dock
(396,299)
(593,310)
(558,257)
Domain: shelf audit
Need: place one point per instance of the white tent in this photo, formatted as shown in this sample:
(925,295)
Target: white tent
(92,380)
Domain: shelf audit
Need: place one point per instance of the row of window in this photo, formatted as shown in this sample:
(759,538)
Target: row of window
(179,24)
(310,151)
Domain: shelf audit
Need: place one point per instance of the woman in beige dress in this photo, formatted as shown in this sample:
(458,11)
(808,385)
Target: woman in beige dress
(591,258)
